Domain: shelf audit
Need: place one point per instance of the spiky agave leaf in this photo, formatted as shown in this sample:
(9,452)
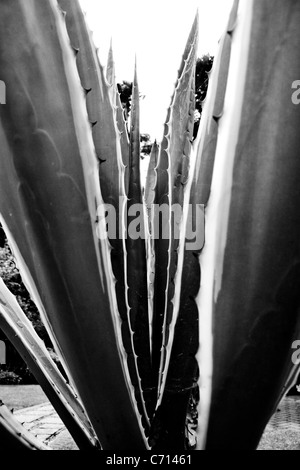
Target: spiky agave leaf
(213,108)
(13,436)
(125,259)
(124,139)
(102,115)
(150,185)
(111,74)
(205,148)
(100,108)
(136,266)
(177,157)
(249,298)
(183,370)
(135,326)
(110,138)
(149,199)
(20,332)
(49,197)
(120,117)
(172,191)
(119,114)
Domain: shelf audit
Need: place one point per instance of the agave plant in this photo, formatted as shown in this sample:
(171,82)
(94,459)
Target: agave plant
(144,324)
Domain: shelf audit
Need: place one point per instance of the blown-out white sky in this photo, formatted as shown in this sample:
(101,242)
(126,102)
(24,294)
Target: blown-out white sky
(156,32)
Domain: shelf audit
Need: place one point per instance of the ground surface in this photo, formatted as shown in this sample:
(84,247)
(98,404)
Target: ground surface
(283,429)
(21,396)
(44,423)
(32,408)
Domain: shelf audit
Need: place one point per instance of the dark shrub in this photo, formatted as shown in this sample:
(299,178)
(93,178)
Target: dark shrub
(9,378)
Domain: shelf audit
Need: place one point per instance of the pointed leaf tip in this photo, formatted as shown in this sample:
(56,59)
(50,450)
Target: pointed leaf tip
(135,79)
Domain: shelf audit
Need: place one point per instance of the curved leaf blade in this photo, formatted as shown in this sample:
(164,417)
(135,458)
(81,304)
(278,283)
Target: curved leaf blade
(49,182)
(14,436)
(22,335)
(172,192)
(249,301)
(136,267)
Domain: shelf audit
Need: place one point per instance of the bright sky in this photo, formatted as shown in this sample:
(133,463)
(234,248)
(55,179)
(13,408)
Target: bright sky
(156,32)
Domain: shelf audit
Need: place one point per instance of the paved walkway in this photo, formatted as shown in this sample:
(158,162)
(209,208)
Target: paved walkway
(283,430)
(287,415)
(43,421)
(45,424)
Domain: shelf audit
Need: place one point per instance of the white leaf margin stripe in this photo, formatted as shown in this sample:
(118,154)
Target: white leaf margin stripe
(94,197)
(217,211)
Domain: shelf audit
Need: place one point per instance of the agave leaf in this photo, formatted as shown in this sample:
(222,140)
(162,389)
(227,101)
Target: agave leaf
(150,185)
(124,139)
(249,298)
(172,190)
(22,335)
(135,192)
(110,137)
(213,109)
(14,436)
(100,108)
(108,128)
(49,198)
(111,74)
(183,369)
(136,266)
(172,175)
(122,127)
(205,147)
(119,114)
(233,16)
(149,200)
